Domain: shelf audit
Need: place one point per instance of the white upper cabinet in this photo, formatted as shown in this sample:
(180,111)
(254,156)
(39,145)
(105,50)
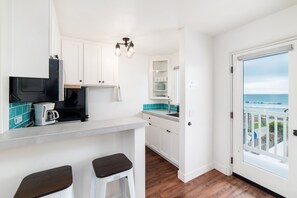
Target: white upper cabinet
(91,64)
(72,56)
(109,66)
(30,38)
(55,40)
(159,78)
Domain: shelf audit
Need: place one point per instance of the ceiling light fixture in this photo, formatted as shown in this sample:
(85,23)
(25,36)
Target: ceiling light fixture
(128,44)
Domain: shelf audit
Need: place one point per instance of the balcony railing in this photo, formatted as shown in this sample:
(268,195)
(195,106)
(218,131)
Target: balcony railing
(266,133)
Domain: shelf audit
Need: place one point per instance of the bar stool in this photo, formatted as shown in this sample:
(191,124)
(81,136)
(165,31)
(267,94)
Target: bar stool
(111,168)
(56,182)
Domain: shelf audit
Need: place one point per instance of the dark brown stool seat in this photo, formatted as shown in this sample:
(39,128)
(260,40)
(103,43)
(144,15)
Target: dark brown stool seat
(45,182)
(110,165)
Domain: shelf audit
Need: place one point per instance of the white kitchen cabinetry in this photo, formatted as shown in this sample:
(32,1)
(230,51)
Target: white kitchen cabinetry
(55,40)
(100,65)
(159,78)
(109,64)
(92,57)
(72,56)
(162,136)
(30,28)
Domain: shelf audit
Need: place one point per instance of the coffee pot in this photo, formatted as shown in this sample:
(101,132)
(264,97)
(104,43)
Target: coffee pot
(45,113)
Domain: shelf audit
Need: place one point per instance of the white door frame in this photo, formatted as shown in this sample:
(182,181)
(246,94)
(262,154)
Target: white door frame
(264,178)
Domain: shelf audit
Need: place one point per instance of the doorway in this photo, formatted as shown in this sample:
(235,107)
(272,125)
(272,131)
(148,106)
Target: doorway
(264,106)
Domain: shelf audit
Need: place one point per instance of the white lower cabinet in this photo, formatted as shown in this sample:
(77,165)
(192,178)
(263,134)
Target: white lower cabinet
(162,136)
(155,133)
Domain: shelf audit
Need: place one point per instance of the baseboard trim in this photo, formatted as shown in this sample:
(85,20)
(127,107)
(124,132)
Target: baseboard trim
(195,173)
(223,169)
(274,194)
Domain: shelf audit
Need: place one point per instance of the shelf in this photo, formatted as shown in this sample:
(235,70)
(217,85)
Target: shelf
(160,90)
(160,98)
(159,70)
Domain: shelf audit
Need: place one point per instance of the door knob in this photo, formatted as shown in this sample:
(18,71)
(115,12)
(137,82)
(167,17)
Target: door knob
(295,132)
(189,123)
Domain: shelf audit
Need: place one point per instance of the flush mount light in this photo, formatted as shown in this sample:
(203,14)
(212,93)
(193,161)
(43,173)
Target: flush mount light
(128,44)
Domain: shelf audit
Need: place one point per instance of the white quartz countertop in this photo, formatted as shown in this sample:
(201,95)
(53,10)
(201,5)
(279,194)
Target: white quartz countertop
(42,134)
(161,114)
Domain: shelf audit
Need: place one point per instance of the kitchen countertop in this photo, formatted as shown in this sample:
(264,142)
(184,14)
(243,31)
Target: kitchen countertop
(42,134)
(162,114)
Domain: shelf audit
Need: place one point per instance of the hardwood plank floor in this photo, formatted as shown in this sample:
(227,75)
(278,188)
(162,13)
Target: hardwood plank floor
(162,182)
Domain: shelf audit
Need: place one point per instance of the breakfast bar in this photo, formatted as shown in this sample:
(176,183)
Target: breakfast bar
(27,150)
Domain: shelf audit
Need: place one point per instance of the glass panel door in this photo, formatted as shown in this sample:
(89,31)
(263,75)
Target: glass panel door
(265,116)
(265,119)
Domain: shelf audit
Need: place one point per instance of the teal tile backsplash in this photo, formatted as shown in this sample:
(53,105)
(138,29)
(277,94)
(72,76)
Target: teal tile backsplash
(159,106)
(17,109)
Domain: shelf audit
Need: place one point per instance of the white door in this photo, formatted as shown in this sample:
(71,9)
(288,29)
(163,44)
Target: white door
(148,135)
(265,114)
(108,64)
(155,137)
(165,142)
(174,146)
(72,56)
(91,64)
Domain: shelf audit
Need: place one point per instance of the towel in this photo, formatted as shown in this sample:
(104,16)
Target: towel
(118,94)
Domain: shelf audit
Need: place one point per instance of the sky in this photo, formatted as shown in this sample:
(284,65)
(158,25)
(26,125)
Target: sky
(267,75)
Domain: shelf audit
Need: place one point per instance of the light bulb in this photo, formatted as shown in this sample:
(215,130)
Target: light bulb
(117,50)
(129,54)
(131,48)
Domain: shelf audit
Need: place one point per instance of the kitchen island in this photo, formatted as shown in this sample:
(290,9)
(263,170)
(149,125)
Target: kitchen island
(28,150)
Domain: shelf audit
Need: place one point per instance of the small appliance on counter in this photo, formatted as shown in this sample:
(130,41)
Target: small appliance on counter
(24,89)
(45,113)
(74,107)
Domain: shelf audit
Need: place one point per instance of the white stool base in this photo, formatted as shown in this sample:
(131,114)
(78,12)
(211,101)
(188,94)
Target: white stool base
(66,193)
(101,183)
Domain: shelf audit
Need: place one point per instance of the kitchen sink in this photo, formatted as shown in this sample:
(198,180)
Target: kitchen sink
(173,114)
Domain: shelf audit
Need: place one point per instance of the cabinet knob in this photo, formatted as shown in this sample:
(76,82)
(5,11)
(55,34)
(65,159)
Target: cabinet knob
(99,81)
(80,80)
(295,132)
(189,123)
(149,117)
(103,81)
(150,124)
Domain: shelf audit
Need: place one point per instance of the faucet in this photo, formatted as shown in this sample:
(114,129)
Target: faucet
(169,106)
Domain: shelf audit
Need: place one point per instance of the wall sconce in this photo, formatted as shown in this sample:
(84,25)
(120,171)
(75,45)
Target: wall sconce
(128,45)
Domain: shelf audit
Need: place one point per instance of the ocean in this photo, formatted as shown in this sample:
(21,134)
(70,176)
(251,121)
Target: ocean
(274,102)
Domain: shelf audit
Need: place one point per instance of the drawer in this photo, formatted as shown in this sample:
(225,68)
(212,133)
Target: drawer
(161,122)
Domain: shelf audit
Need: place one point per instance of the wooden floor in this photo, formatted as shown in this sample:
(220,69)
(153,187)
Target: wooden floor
(162,181)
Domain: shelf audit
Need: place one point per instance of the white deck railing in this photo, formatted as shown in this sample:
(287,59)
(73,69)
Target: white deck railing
(266,132)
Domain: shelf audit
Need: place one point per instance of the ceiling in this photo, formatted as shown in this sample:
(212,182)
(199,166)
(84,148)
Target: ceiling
(153,24)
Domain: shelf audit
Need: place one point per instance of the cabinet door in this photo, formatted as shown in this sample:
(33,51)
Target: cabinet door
(30,38)
(148,135)
(54,32)
(108,64)
(165,143)
(72,56)
(174,147)
(91,64)
(155,137)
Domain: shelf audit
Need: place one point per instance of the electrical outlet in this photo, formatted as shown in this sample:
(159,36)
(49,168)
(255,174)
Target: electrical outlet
(18,120)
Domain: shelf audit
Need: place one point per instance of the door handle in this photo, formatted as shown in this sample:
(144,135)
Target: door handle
(295,132)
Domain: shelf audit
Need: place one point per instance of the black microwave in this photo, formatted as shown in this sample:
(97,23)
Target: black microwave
(39,89)
(75,106)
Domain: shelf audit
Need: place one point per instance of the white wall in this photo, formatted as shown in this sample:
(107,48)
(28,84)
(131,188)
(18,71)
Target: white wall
(133,80)
(4,65)
(195,104)
(272,28)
